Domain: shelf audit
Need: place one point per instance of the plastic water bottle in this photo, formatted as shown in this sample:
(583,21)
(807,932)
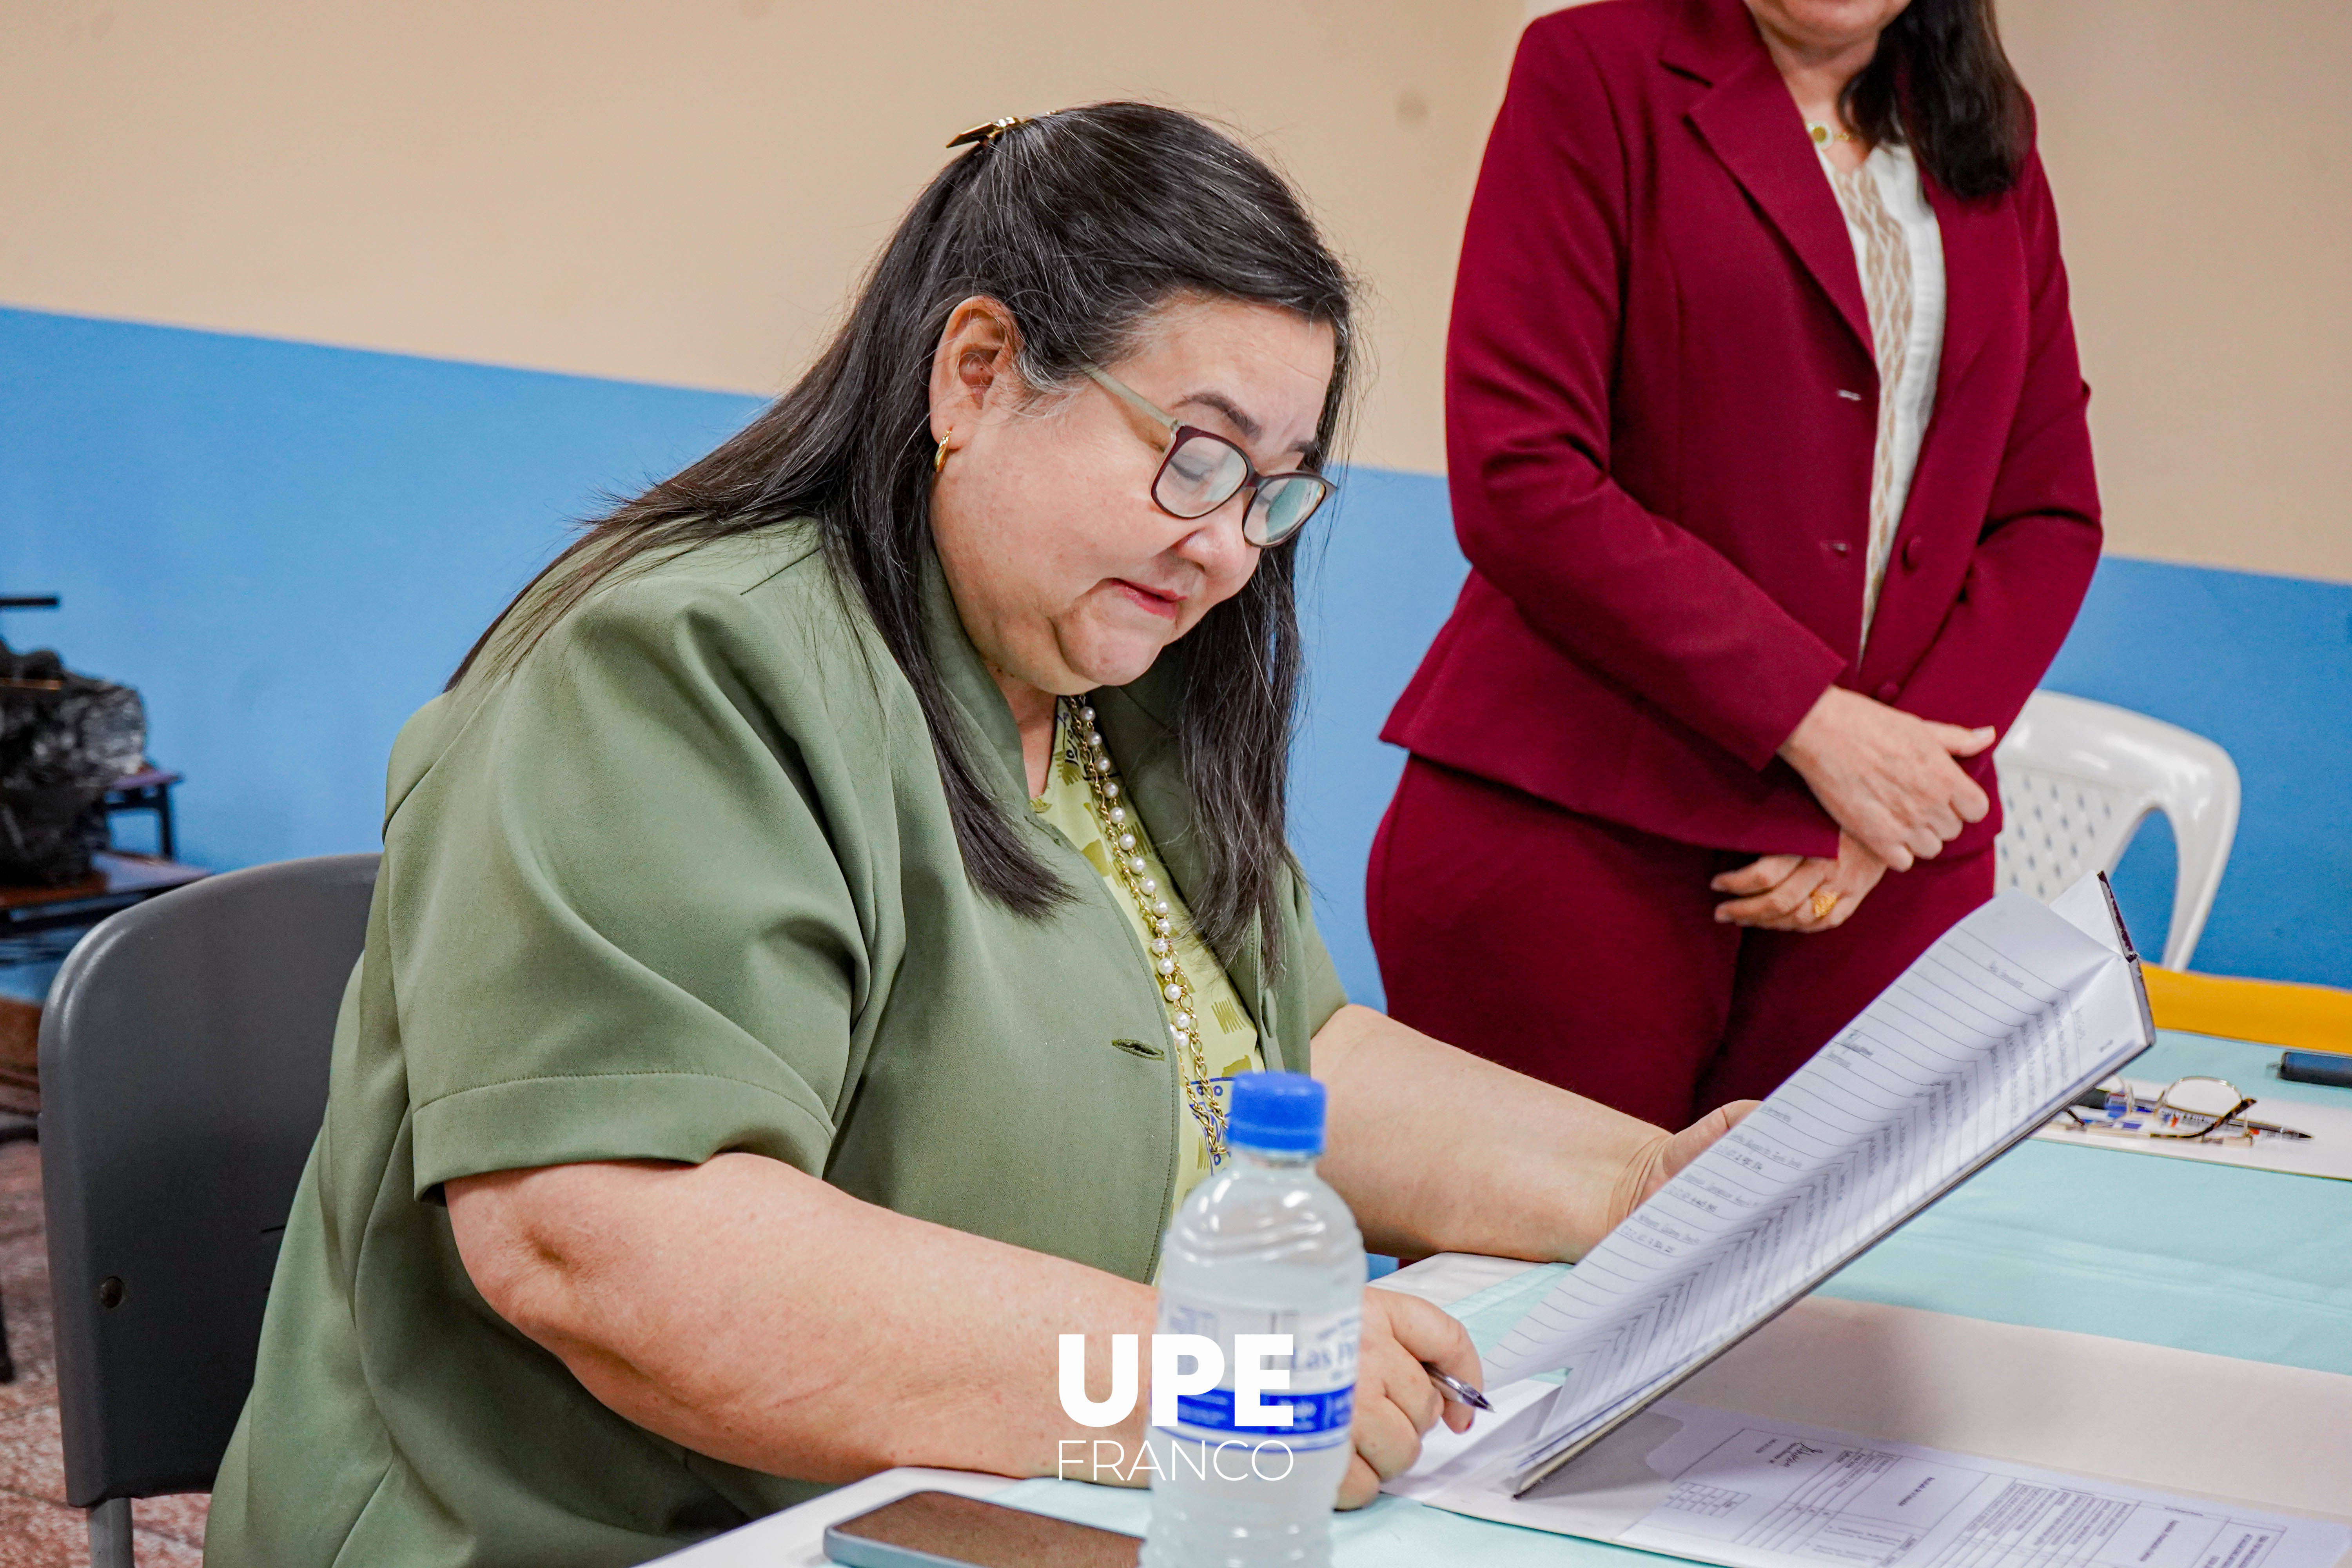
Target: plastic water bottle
(1263,1247)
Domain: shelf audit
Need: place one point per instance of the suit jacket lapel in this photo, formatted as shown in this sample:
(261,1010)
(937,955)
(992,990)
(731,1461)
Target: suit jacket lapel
(1974,237)
(1751,123)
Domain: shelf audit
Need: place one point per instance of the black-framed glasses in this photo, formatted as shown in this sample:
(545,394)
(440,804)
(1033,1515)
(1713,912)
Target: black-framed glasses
(1201,471)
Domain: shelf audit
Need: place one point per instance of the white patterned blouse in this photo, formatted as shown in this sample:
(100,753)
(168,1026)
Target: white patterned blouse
(1898,249)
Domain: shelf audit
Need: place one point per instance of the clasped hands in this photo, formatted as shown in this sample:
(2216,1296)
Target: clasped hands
(1889,780)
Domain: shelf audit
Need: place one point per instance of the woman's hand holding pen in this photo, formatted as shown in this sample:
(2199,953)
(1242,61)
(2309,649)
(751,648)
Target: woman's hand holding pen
(1886,777)
(1438,1151)
(1396,1401)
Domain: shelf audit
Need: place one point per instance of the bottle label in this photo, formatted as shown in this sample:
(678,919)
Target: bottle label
(1319,1391)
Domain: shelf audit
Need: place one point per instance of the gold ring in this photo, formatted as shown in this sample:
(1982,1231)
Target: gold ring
(1824,902)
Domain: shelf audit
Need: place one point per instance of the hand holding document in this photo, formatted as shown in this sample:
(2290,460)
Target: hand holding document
(2002,1022)
(2006,1018)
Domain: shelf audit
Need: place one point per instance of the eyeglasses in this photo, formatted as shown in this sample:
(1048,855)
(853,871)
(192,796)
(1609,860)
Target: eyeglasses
(1202,470)
(2194,1109)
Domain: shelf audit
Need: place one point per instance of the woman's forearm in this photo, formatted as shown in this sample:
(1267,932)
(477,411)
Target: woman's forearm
(1438,1151)
(749,1311)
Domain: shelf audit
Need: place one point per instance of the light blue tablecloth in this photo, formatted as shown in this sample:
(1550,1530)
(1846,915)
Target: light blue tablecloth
(2171,1252)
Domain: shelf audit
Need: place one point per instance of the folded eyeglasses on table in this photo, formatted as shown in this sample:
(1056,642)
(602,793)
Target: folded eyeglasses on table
(2197,1109)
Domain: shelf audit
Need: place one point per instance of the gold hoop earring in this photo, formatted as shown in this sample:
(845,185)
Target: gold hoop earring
(939,458)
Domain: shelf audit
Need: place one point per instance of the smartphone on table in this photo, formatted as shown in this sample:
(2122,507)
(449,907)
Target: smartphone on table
(944,1530)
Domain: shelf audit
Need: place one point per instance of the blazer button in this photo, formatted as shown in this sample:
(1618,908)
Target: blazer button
(1911,553)
(1837,546)
(1889,691)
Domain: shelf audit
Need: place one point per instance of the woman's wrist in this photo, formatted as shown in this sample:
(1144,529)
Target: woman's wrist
(1659,1159)
(1637,1179)
(1804,748)
(1603,1181)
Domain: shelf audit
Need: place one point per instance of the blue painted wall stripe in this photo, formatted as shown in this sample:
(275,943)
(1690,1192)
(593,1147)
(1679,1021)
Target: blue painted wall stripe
(286,547)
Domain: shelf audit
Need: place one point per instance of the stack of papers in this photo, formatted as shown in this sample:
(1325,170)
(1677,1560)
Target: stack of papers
(1750,1492)
(2004,1020)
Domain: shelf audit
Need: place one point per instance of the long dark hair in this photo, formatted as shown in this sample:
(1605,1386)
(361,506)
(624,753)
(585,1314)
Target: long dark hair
(1082,224)
(1942,82)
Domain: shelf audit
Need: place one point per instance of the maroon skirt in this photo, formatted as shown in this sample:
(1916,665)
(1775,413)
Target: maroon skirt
(1587,954)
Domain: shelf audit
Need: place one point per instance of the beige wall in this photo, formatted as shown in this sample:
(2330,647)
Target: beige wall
(671,190)
(2202,151)
(682,189)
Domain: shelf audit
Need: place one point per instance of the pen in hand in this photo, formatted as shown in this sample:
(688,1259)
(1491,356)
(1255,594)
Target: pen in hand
(1455,1388)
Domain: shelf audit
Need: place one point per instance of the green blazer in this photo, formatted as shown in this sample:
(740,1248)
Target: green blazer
(683,881)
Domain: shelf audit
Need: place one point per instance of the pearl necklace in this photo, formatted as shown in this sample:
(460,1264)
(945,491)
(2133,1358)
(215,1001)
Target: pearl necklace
(1134,874)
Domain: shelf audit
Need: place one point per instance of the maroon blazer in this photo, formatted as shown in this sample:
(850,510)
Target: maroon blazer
(1661,412)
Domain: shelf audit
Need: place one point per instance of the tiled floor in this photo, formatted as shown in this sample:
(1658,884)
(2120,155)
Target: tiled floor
(36,1529)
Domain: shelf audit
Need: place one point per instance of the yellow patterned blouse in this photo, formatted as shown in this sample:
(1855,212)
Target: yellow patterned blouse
(1228,1039)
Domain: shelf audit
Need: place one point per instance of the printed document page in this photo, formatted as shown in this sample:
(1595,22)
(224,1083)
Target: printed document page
(1998,1025)
(1754,1494)
(1770,1496)
(1747,1491)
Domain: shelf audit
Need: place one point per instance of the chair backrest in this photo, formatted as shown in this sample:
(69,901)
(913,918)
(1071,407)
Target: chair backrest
(2076,779)
(184,1077)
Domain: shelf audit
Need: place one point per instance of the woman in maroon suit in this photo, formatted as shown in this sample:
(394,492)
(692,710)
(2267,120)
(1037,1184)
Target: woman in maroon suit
(1768,451)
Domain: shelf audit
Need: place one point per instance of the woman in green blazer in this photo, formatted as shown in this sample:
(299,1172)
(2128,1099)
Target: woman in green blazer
(811,921)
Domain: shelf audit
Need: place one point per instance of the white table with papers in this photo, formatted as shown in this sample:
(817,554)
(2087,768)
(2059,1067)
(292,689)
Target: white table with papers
(1870,1433)
(2289,1416)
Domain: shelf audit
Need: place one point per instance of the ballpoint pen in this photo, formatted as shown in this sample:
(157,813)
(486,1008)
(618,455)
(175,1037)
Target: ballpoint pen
(1457,1387)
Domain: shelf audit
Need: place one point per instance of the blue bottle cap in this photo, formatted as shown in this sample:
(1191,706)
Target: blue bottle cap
(1281,1112)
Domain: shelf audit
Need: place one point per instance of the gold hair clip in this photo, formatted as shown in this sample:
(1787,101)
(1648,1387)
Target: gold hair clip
(990,130)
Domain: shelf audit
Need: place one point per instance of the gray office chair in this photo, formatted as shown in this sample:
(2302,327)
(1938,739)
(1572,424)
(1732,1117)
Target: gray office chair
(184,1077)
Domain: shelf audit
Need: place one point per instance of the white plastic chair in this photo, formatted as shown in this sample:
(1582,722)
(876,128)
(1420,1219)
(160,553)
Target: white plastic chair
(2078,777)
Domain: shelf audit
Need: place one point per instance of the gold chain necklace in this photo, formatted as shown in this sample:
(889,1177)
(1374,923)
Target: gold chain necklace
(1134,873)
